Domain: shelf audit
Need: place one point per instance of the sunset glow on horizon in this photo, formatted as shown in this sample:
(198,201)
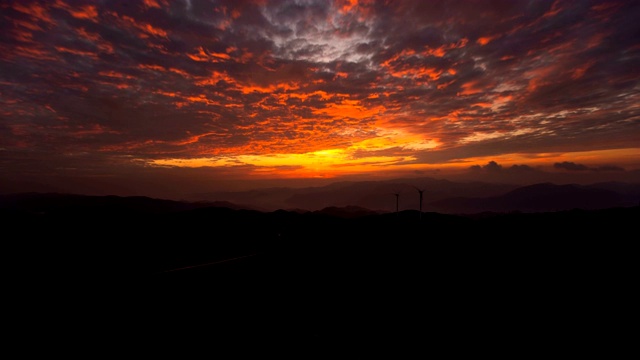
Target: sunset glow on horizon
(318,89)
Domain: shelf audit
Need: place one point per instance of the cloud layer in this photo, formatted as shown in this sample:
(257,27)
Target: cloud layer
(317,88)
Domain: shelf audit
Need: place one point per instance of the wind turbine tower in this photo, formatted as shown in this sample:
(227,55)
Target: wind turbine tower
(397,201)
(420,191)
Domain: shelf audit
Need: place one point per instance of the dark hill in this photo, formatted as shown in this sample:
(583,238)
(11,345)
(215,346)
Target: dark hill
(314,277)
(349,212)
(537,198)
(57,204)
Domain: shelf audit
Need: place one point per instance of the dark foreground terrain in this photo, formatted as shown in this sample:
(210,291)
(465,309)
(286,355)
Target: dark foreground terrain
(530,280)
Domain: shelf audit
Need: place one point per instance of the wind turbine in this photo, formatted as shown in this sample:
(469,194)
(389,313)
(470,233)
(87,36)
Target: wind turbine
(397,194)
(420,191)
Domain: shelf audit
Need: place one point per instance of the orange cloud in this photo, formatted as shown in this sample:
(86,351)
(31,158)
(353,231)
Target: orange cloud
(151,67)
(349,109)
(346,5)
(247,89)
(214,78)
(95,39)
(202,98)
(418,72)
(153,30)
(145,30)
(442,50)
(470,88)
(86,12)
(404,53)
(204,55)
(77,52)
(152,4)
(89,12)
(438,52)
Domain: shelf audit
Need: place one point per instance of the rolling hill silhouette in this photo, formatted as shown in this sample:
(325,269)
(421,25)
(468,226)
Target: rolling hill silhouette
(342,272)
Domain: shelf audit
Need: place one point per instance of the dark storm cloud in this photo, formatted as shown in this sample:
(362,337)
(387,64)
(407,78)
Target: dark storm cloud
(160,79)
(493,168)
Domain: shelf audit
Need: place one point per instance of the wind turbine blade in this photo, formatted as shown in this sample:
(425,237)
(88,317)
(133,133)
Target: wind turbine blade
(417,188)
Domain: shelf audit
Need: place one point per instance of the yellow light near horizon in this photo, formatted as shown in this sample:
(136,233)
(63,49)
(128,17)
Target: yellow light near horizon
(322,157)
(330,159)
(388,139)
(393,150)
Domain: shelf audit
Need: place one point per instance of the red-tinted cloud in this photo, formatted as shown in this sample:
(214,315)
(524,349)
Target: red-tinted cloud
(355,83)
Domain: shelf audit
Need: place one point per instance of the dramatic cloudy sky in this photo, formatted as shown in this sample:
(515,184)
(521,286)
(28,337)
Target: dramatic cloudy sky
(193,92)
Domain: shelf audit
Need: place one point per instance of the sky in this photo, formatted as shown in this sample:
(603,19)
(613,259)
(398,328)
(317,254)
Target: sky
(161,97)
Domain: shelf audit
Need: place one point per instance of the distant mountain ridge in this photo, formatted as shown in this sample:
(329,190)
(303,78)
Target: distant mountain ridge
(354,199)
(440,196)
(374,195)
(540,198)
(59,203)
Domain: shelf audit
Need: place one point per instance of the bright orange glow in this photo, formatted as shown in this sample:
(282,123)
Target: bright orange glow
(329,163)
(347,5)
(484,40)
(200,56)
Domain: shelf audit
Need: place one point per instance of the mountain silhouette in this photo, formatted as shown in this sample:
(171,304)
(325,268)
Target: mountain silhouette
(539,198)
(59,203)
(374,195)
(348,212)
(439,196)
